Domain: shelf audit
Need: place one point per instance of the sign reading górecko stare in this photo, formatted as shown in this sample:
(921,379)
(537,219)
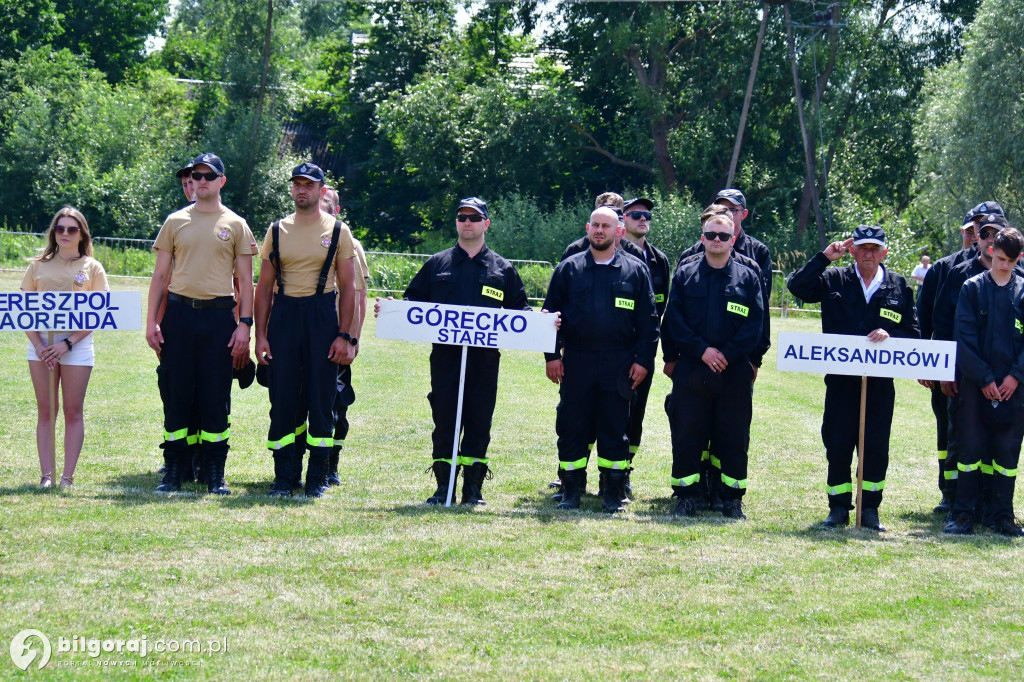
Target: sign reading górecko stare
(459,325)
(70,310)
(855,355)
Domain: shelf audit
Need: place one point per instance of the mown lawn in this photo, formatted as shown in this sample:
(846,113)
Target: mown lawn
(368,583)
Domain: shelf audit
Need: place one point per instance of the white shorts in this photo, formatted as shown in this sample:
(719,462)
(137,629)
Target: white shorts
(80,355)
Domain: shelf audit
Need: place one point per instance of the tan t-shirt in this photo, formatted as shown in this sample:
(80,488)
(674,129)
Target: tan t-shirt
(80,274)
(303,248)
(362,270)
(204,246)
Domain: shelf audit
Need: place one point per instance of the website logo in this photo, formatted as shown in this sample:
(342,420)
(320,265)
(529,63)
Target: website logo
(23,649)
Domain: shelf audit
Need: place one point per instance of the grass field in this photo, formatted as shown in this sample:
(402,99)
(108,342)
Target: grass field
(368,583)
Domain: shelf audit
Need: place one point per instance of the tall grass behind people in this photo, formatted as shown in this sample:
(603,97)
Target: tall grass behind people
(66,264)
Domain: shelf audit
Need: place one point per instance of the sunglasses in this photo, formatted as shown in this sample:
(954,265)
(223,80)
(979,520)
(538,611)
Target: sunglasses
(637,215)
(721,236)
(209,177)
(473,218)
(988,234)
(66,229)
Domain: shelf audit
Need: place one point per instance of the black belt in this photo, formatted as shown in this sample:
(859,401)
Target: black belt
(221,302)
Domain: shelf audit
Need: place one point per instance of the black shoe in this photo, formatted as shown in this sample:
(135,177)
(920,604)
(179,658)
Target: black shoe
(684,507)
(188,467)
(282,475)
(614,490)
(246,375)
(733,509)
(473,481)
(442,473)
(945,506)
(315,470)
(869,520)
(172,474)
(571,489)
(215,475)
(962,525)
(332,467)
(838,517)
(1008,528)
(296,477)
(700,502)
(716,504)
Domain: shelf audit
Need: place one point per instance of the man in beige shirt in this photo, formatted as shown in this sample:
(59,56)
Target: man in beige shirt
(199,248)
(304,305)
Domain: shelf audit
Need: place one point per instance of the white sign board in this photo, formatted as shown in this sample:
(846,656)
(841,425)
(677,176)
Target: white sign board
(459,325)
(855,355)
(70,310)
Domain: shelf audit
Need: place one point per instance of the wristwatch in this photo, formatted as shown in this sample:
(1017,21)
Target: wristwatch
(348,337)
(246,321)
(68,341)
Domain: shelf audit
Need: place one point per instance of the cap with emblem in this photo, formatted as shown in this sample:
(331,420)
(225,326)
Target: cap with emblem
(733,196)
(310,171)
(868,234)
(475,203)
(211,160)
(646,203)
(982,209)
(993,220)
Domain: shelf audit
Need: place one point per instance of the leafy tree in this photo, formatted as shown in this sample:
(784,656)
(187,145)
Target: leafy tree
(25,24)
(112,33)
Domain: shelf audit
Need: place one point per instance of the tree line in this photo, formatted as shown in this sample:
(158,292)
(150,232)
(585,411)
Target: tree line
(898,112)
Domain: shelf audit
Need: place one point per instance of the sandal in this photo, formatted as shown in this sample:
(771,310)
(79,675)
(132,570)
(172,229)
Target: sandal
(46,481)
(66,481)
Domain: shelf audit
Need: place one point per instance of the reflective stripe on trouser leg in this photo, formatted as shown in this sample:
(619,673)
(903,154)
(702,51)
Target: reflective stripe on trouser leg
(479,398)
(839,433)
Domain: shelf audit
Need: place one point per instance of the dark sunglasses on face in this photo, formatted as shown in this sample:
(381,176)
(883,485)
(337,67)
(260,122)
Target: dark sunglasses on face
(721,236)
(473,218)
(637,215)
(209,177)
(988,234)
(65,229)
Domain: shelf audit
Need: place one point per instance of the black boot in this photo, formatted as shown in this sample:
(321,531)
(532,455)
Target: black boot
(571,489)
(172,474)
(283,465)
(627,486)
(188,471)
(315,471)
(332,466)
(733,509)
(684,507)
(963,524)
(838,517)
(945,505)
(442,473)
(473,482)
(215,474)
(869,519)
(614,489)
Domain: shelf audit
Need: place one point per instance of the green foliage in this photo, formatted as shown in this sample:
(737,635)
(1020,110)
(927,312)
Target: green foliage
(25,24)
(971,124)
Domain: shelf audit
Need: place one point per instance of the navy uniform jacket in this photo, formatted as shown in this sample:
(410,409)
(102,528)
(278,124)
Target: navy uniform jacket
(721,308)
(604,307)
(485,280)
(944,306)
(843,309)
(657,265)
(933,281)
(989,329)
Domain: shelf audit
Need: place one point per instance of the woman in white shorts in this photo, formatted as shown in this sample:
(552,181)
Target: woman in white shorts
(66,264)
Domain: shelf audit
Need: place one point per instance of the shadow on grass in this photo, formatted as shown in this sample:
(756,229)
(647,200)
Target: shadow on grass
(28,489)
(139,489)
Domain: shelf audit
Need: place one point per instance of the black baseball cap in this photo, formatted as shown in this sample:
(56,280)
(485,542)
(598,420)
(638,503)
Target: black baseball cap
(984,207)
(310,171)
(475,203)
(638,200)
(993,220)
(184,170)
(211,160)
(733,196)
(868,234)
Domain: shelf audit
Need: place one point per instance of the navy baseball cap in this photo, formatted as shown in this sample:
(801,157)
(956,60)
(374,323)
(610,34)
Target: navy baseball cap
(984,207)
(993,220)
(733,196)
(868,234)
(310,171)
(638,200)
(475,203)
(211,160)
(184,170)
